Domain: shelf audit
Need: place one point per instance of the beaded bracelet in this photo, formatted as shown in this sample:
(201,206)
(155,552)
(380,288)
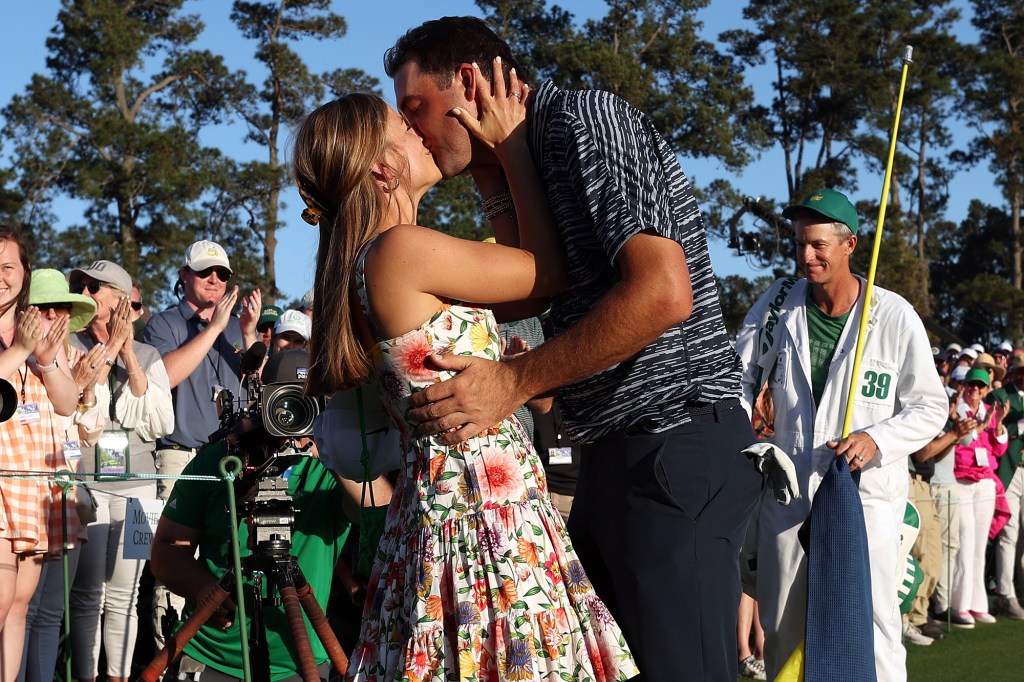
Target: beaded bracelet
(496,205)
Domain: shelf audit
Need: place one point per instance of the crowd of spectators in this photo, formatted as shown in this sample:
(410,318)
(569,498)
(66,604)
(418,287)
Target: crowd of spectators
(967,486)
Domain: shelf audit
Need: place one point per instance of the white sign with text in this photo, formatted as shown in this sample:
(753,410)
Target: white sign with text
(140,519)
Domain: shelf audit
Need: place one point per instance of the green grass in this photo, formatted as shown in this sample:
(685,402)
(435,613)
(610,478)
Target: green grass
(988,653)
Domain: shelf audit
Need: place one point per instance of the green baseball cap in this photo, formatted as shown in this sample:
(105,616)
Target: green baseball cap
(268,315)
(829,203)
(978,374)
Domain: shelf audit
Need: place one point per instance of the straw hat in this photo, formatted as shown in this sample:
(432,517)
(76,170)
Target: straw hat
(986,361)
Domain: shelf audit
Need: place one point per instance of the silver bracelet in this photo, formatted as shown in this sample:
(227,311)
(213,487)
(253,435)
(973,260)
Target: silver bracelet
(496,205)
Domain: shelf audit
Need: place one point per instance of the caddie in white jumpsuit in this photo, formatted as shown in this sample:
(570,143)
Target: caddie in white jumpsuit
(899,407)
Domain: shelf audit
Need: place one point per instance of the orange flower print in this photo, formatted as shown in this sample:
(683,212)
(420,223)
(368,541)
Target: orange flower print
(506,595)
(550,633)
(437,466)
(435,608)
(499,477)
(528,552)
(410,354)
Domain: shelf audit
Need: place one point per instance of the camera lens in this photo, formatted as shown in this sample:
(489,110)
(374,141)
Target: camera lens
(287,412)
(290,412)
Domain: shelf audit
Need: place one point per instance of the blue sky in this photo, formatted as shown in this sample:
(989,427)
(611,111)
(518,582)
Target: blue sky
(373,27)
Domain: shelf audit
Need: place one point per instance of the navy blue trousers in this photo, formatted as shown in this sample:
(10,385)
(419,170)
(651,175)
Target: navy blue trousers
(657,522)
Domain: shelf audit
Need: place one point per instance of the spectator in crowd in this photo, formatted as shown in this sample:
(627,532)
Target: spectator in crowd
(291,330)
(194,520)
(899,409)
(1011,474)
(944,495)
(638,264)
(750,638)
(135,396)
(977,487)
(942,363)
(996,372)
(33,360)
(50,295)
(269,315)
(199,341)
(140,313)
(306,304)
(930,462)
(1002,354)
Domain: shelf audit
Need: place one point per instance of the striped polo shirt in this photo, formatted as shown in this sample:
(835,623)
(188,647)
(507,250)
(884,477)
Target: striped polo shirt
(609,175)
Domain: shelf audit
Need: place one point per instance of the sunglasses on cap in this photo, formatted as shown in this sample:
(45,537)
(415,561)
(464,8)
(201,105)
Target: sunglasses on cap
(92,287)
(62,306)
(223,274)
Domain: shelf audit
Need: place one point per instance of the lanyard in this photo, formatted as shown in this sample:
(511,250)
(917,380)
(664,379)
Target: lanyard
(215,348)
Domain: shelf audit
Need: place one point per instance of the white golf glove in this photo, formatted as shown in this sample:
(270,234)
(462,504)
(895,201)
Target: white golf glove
(772,462)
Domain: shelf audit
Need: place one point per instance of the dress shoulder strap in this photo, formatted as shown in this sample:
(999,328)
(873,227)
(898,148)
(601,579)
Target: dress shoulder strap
(364,300)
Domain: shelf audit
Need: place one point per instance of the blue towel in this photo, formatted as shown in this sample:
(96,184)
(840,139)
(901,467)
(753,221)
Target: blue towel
(840,628)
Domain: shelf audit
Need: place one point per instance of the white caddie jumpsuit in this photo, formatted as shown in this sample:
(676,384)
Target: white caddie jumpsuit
(899,402)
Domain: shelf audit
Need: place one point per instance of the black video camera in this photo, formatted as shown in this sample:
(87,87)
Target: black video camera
(274,404)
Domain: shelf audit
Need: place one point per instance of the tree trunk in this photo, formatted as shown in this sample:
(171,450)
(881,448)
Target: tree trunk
(1017,324)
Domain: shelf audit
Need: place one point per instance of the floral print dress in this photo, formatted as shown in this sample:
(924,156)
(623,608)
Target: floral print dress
(474,579)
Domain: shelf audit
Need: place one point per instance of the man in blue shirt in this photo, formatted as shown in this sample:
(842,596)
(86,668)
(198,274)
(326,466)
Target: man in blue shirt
(646,377)
(200,342)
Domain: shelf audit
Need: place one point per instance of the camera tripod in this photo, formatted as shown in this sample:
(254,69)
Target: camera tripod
(271,518)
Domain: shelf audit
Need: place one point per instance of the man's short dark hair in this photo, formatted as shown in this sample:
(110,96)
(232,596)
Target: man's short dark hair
(439,46)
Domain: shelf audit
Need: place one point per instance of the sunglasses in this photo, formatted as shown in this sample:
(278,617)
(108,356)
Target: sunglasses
(92,287)
(65,307)
(136,306)
(223,274)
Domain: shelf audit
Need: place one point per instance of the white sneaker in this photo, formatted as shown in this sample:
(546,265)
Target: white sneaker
(983,617)
(752,668)
(912,635)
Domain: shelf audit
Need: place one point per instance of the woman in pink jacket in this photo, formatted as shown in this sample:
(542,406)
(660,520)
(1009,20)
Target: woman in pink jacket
(978,486)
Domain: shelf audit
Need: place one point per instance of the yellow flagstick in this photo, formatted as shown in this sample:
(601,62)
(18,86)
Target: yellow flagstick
(793,670)
(861,334)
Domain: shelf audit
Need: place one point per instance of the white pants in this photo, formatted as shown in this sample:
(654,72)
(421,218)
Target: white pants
(782,570)
(168,463)
(106,589)
(1008,554)
(947,505)
(977,506)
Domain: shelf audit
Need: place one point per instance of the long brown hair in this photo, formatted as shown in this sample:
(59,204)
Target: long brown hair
(335,147)
(8,234)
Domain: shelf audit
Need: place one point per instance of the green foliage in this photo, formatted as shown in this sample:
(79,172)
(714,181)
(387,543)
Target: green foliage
(649,53)
(738,295)
(971,275)
(106,125)
(452,208)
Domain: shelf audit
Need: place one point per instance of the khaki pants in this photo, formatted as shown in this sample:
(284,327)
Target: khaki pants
(927,549)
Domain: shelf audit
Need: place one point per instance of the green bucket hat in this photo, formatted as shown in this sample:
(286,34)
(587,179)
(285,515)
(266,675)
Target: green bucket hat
(49,286)
(829,203)
(978,374)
